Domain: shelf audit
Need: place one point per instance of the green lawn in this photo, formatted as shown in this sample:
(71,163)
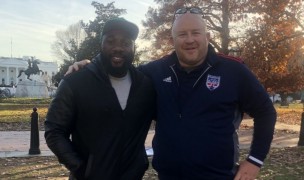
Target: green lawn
(284,164)
(20,109)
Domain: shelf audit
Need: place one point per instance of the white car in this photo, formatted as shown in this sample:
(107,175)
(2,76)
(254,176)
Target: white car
(276,98)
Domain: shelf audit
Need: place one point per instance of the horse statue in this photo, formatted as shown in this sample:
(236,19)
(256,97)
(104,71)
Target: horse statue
(32,69)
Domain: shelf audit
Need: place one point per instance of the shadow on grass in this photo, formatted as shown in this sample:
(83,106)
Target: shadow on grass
(31,168)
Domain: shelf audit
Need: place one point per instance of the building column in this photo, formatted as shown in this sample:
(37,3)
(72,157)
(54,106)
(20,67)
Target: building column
(7,76)
(17,71)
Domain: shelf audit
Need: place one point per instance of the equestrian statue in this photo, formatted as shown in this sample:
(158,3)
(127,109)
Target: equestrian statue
(32,69)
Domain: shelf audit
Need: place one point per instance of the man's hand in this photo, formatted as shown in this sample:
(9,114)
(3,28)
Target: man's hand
(77,65)
(247,171)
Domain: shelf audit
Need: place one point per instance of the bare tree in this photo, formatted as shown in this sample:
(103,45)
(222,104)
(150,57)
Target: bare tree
(68,41)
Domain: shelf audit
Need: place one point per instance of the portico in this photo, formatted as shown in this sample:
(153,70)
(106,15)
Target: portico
(10,68)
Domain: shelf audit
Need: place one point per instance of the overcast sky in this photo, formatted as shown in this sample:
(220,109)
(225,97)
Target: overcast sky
(28,26)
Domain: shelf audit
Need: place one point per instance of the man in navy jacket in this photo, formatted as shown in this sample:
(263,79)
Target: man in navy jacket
(201,99)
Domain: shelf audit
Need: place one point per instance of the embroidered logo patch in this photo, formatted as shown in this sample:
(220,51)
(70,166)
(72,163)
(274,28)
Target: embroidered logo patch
(168,79)
(213,82)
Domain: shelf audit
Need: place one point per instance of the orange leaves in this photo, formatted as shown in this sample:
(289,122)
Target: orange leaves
(275,47)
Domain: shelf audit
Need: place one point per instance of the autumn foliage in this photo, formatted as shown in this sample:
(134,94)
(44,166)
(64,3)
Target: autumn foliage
(266,33)
(274,48)
(221,17)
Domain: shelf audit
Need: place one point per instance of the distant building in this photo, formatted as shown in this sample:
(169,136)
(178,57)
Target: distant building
(10,68)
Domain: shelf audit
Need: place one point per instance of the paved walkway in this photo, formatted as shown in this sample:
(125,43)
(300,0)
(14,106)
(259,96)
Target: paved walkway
(17,143)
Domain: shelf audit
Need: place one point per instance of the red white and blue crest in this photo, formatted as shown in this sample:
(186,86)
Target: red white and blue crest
(213,82)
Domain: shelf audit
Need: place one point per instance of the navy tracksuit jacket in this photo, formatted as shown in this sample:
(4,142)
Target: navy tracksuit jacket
(199,112)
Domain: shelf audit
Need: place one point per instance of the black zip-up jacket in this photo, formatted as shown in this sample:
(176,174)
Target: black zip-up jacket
(106,142)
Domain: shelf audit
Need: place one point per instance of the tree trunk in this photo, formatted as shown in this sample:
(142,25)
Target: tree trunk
(301,136)
(284,100)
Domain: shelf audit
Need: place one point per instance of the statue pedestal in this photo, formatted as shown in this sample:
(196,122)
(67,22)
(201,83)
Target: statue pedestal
(34,88)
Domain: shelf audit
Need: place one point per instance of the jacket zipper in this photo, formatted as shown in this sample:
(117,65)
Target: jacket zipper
(209,66)
(179,114)
(174,73)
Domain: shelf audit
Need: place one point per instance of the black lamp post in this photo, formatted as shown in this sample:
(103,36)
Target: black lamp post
(34,149)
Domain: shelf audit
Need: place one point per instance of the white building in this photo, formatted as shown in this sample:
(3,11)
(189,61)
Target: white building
(10,68)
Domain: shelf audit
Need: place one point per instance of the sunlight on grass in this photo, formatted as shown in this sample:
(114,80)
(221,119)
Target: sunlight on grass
(291,108)
(282,165)
(20,109)
(26,100)
(31,169)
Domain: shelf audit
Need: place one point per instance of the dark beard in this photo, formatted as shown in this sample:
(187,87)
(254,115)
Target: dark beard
(117,71)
